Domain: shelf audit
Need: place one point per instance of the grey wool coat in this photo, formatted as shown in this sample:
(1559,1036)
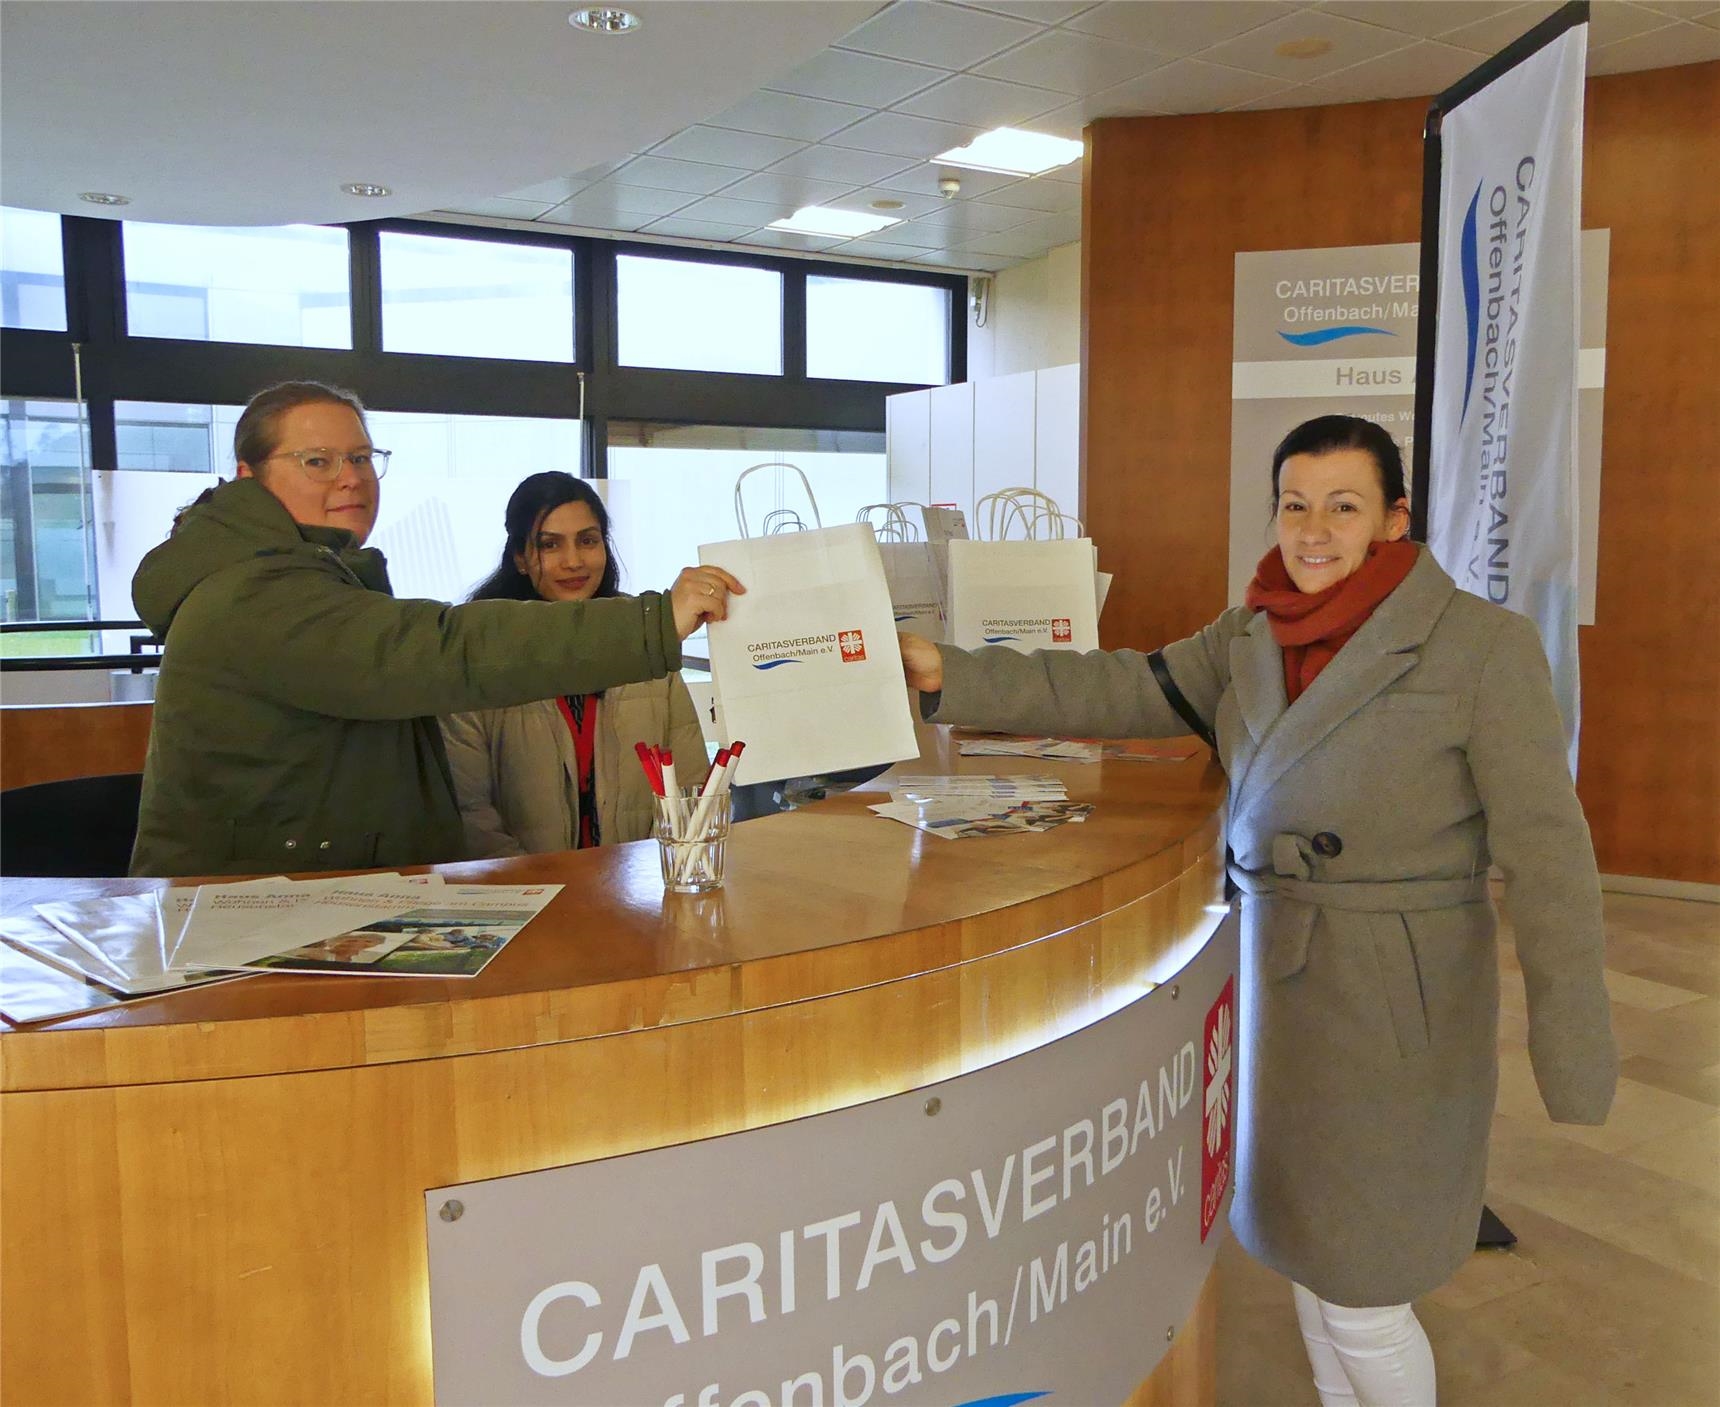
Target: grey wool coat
(1363,821)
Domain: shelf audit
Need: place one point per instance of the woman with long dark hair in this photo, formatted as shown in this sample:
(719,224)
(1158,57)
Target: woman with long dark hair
(560,774)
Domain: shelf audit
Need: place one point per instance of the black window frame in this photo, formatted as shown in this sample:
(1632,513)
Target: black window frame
(116,366)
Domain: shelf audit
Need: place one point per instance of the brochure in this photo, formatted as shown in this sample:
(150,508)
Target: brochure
(453,932)
(229,924)
(31,990)
(965,820)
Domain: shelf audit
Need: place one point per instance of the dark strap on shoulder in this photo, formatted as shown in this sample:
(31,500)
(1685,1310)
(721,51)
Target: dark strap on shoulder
(1177,700)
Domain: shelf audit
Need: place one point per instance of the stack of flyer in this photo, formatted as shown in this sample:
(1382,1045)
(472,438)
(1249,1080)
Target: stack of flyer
(81,955)
(1075,749)
(961,808)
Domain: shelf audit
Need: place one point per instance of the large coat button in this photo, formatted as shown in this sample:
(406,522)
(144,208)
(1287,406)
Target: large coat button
(1328,844)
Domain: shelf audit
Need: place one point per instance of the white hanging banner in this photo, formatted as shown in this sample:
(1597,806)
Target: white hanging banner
(1503,488)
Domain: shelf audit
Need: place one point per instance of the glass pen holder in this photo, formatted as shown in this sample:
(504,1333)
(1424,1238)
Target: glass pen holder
(692,838)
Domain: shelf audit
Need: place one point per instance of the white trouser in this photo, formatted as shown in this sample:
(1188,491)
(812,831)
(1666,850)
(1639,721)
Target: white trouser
(1366,1357)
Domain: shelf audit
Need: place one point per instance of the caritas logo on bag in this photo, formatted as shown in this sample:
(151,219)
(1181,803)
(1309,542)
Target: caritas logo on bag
(1060,631)
(853,643)
(1218,1113)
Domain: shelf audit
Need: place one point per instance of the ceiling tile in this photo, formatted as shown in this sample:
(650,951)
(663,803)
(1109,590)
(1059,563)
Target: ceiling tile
(598,172)
(663,174)
(944,35)
(828,163)
(1680,9)
(1660,48)
(879,249)
(1421,19)
(955,259)
(552,192)
(1608,24)
(865,79)
(787,239)
(1040,11)
(726,210)
(1188,85)
(1423,69)
(612,198)
(1177,26)
(1492,34)
(1351,43)
(914,204)
(906,236)
(899,134)
(969,219)
(561,215)
(793,191)
(720,147)
(1019,244)
(982,102)
(789,115)
(501,207)
(675,227)
(1073,63)
(1048,197)
(922,179)
(1302,95)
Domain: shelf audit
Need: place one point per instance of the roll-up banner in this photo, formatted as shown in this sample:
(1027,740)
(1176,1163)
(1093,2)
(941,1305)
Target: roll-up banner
(1496,389)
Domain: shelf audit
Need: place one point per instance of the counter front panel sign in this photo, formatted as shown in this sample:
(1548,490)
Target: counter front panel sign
(1034,1229)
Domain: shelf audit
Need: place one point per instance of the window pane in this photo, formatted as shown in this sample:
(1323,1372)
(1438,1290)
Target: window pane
(868,330)
(447,489)
(672,487)
(695,316)
(474,298)
(32,271)
(285,286)
(47,560)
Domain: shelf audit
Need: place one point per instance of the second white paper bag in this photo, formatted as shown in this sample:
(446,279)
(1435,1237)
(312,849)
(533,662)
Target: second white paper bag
(1026,595)
(914,572)
(806,667)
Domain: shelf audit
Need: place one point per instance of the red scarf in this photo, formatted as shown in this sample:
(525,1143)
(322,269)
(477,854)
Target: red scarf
(1311,629)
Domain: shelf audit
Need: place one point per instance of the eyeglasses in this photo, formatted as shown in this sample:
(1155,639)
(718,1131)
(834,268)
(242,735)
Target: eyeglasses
(323,466)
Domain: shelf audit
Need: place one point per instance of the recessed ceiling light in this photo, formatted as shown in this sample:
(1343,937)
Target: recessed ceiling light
(822,220)
(601,19)
(1013,152)
(365,188)
(1303,48)
(104,198)
(886,205)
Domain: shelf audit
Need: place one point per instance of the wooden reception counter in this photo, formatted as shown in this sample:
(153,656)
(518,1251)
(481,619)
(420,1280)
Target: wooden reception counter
(218,1196)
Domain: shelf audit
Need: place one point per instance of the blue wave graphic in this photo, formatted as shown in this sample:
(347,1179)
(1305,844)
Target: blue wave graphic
(1332,334)
(998,639)
(1007,1399)
(1469,256)
(774,664)
(906,617)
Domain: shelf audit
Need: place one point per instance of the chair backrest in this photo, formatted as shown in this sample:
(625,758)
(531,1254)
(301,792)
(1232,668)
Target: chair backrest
(83,826)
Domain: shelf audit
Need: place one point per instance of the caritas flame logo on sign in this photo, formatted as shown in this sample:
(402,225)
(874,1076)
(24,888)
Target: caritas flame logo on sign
(1060,632)
(853,644)
(1218,1079)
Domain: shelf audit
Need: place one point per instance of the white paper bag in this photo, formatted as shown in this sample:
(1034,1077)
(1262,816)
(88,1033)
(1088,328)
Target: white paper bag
(944,521)
(1025,595)
(806,668)
(914,572)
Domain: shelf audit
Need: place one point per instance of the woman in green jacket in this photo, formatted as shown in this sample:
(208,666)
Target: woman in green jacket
(295,716)
(561,774)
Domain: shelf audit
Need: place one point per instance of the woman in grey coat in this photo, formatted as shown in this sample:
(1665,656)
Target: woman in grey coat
(1388,738)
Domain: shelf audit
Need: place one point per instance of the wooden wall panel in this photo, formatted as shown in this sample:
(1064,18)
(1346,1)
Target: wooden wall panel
(1169,203)
(55,743)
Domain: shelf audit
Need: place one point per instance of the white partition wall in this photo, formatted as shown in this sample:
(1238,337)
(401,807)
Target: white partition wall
(955,444)
(1057,436)
(952,446)
(908,446)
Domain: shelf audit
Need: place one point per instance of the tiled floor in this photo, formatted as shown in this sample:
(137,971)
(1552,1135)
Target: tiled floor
(1612,1294)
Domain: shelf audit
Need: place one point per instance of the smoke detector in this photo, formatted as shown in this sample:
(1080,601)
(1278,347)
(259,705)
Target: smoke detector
(949,187)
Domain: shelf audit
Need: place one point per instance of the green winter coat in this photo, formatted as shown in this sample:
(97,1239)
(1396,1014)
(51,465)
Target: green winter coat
(295,715)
